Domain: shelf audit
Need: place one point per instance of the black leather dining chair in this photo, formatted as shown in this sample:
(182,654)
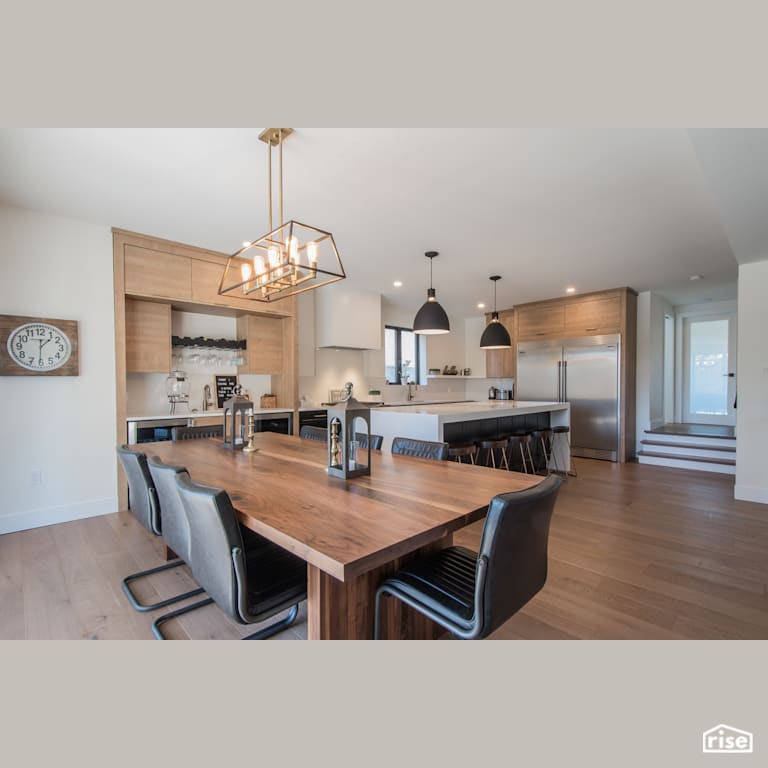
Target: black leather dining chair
(376,441)
(472,594)
(308,432)
(197,433)
(251,581)
(145,505)
(423,449)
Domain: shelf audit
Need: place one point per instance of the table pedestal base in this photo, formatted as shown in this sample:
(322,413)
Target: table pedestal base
(344,610)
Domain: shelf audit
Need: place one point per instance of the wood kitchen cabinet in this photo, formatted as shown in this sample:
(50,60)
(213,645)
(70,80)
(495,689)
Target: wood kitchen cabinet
(540,321)
(586,316)
(147,336)
(264,344)
(502,363)
(156,273)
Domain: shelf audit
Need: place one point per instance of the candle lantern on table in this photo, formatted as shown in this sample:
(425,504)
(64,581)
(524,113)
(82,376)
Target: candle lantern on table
(237,411)
(349,437)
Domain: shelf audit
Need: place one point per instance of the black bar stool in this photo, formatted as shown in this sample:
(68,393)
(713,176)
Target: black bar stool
(558,434)
(543,439)
(466,450)
(492,448)
(516,445)
(525,445)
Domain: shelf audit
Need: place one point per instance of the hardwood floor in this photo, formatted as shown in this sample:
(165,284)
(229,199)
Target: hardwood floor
(636,552)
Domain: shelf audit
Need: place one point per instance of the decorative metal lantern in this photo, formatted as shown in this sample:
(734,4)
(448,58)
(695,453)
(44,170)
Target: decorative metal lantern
(349,438)
(236,414)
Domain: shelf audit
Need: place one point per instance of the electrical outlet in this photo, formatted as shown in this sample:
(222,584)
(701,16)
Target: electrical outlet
(36,476)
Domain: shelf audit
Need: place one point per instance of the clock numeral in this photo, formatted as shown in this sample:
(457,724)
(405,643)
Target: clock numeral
(61,347)
(24,338)
(18,345)
(22,355)
(58,355)
(58,339)
(41,331)
(50,361)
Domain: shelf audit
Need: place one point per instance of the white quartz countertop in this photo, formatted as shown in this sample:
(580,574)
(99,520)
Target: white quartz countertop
(471,411)
(200,414)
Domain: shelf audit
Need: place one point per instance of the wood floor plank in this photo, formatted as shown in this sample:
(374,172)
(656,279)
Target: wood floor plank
(11,589)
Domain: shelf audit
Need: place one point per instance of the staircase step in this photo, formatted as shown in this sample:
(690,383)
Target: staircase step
(684,457)
(699,441)
(691,446)
(677,462)
(683,433)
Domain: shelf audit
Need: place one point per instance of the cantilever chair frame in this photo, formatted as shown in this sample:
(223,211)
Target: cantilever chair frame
(154,520)
(474,626)
(238,564)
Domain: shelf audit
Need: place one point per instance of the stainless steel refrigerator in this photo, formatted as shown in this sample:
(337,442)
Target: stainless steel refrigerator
(585,373)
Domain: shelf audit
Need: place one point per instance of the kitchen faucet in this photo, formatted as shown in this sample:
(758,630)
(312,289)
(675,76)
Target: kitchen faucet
(206,396)
(410,384)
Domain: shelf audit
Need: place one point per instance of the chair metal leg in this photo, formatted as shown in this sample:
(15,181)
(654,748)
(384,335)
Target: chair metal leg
(133,600)
(157,623)
(278,626)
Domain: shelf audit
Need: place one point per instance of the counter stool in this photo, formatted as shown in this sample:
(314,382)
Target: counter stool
(467,450)
(558,434)
(543,439)
(524,437)
(516,446)
(492,447)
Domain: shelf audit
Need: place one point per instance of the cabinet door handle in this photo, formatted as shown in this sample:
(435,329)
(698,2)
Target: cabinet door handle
(591,329)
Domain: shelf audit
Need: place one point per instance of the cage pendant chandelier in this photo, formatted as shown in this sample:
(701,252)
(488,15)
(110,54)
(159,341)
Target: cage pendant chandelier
(291,258)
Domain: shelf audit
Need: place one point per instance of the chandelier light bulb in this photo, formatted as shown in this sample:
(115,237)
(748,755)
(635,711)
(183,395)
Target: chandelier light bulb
(312,253)
(273,256)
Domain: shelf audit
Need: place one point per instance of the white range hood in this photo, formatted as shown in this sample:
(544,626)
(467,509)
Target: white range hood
(347,318)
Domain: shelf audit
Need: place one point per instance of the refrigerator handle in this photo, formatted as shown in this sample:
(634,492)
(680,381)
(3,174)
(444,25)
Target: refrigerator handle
(559,381)
(565,381)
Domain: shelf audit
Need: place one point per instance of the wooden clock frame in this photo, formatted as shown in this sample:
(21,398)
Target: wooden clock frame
(8,367)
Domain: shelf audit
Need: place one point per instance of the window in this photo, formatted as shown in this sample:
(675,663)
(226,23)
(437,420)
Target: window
(401,355)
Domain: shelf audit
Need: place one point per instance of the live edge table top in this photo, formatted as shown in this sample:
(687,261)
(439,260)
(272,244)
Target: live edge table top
(344,528)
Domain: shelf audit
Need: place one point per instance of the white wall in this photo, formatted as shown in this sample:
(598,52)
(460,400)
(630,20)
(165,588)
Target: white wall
(752,382)
(62,426)
(651,310)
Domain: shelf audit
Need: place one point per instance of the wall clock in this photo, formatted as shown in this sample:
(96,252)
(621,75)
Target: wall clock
(38,346)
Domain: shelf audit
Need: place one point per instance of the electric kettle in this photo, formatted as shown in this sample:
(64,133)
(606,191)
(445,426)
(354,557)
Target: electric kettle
(493,393)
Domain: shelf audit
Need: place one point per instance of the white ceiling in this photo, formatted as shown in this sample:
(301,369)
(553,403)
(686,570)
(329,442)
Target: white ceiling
(544,209)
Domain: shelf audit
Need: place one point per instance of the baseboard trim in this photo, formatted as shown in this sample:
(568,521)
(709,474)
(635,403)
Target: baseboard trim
(37,518)
(755,493)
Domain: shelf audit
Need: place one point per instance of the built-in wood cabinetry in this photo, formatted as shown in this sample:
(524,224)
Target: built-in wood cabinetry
(263,344)
(147,336)
(155,273)
(591,314)
(153,276)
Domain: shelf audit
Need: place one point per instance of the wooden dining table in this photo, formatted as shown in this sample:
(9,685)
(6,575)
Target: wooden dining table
(351,533)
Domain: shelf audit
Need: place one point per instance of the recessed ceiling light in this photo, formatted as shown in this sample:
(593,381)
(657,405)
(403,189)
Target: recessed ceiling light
(246,243)
(398,283)
(570,290)
(481,305)
(695,277)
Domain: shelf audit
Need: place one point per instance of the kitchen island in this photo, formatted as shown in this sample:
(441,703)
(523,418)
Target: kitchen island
(466,421)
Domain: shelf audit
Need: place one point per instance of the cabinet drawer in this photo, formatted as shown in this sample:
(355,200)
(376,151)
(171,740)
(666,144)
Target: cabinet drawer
(599,315)
(540,322)
(156,273)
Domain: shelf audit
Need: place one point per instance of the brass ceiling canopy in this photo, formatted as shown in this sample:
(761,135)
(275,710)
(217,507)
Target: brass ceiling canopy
(289,259)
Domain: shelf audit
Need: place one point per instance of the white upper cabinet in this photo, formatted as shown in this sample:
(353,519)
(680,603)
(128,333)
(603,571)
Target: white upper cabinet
(347,317)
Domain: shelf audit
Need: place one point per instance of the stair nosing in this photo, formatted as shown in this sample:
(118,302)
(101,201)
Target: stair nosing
(683,457)
(691,446)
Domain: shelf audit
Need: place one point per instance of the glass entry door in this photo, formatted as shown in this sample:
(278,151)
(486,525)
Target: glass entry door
(709,369)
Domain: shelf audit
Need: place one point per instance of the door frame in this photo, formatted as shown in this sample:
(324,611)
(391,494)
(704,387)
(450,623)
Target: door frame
(695,312)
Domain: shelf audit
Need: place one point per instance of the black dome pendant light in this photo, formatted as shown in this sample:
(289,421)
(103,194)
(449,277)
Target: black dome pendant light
(495,335)
(431,318)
